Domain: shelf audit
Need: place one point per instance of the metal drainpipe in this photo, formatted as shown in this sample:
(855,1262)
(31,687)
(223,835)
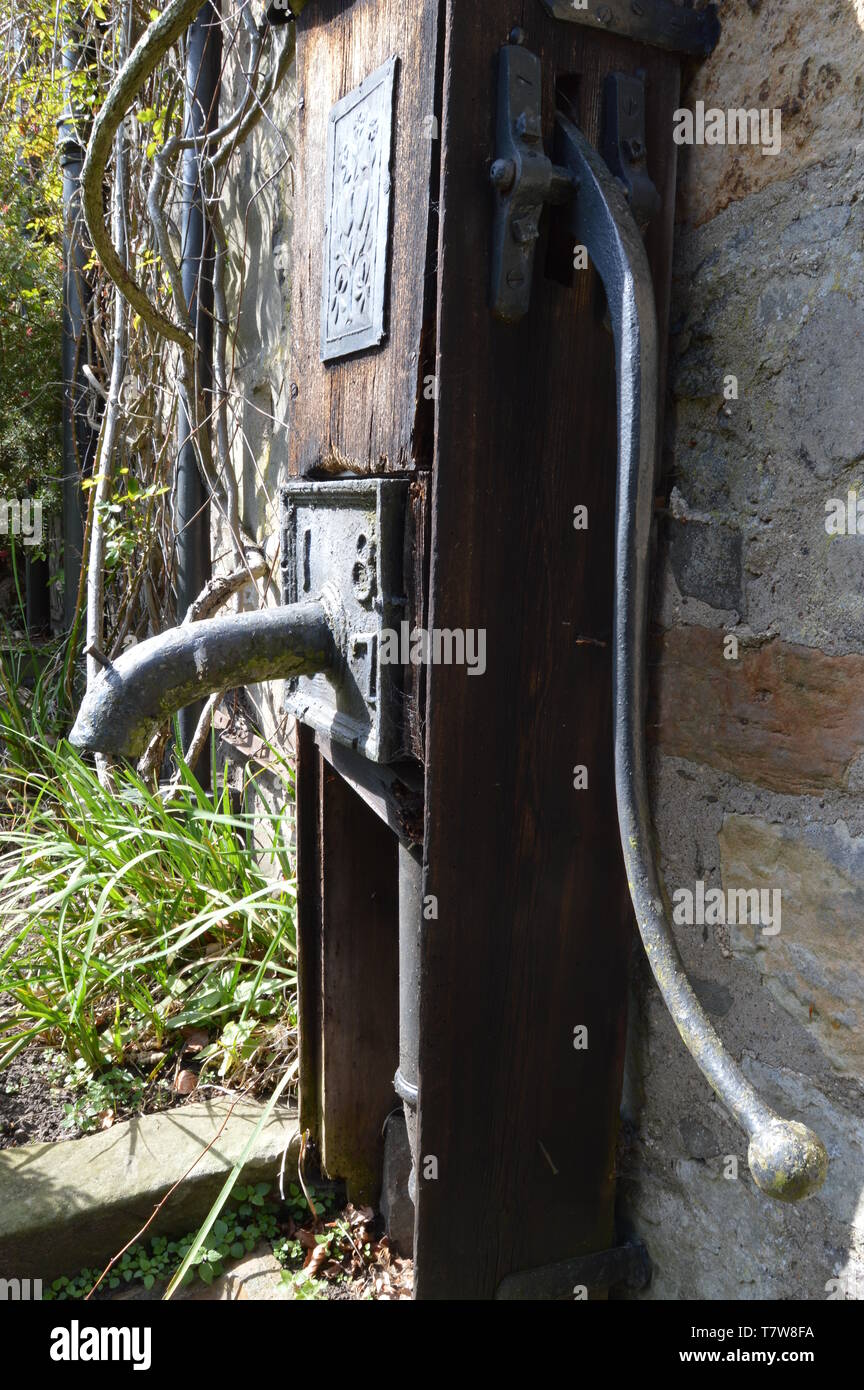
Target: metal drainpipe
(407,1078)
(79,435)
(203,67)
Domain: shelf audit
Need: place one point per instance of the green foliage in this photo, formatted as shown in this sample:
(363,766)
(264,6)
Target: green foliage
(31,100)
(146,1264)
(128,917)
(248,1219)
(115,1093)
(33,706)
(299,1207)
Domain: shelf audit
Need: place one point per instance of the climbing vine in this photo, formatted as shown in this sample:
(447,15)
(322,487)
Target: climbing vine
(123,98)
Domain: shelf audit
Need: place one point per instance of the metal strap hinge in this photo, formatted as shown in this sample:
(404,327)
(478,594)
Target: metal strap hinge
(627,1265)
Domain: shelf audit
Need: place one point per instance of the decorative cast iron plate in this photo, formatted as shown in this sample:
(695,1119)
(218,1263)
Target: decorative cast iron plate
(343,544)
(357,224)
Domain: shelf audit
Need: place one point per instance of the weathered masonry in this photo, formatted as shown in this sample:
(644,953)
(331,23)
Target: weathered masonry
(479,313)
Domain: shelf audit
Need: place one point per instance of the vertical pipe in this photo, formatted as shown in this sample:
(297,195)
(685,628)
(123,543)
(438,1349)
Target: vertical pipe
(407,1079)
(79,434)
(37,597)
(203,66)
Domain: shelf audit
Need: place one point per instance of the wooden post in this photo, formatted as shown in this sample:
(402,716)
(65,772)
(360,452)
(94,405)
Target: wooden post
(527,928)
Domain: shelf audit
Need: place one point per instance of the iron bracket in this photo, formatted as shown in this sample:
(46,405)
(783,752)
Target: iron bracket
(524,179)
(657,22)
(343,545)
(628,1265)
(625,145)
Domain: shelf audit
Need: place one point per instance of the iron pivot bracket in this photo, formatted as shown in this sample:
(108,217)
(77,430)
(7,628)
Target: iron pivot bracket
(625,144)
(657,22)
(524,179)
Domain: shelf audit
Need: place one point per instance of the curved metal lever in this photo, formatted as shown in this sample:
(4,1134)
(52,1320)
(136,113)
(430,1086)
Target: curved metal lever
(787,1160)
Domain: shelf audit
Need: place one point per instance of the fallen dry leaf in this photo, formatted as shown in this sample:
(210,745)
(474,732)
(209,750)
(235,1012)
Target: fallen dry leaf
(317,1259)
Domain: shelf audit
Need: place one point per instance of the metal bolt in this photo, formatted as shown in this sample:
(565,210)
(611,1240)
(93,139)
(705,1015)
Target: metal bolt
(604,15)
(528,126)
(503,174)
(525,230)
(517,35)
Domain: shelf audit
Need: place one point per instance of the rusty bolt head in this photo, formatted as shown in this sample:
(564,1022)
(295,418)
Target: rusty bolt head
(528,126)
(503,174)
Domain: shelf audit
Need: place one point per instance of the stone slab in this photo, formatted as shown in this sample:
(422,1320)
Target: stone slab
(75,1203)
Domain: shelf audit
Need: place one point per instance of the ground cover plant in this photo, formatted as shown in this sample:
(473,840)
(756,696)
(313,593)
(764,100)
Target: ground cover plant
(138,926)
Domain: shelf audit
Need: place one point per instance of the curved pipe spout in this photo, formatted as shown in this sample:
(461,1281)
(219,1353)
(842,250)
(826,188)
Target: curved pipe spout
(148,683)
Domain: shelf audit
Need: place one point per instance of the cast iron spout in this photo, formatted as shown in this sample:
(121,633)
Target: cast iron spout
(148,683)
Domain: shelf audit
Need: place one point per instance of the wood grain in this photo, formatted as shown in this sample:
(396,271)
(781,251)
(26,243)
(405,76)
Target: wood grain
(364,414)
(348,973)
(534,922)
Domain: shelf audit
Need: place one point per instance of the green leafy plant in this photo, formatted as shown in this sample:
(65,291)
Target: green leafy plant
(30,255)
(154,1261)
(298,1206)
(115,1093)
(128,917)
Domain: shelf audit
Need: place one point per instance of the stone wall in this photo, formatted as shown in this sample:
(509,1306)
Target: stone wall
(757,768)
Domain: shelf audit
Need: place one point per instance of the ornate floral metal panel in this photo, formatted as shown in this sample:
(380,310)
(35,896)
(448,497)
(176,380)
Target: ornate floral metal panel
(357,226)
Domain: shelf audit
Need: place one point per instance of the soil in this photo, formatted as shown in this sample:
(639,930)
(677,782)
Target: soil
(31,1104)
(33,1100)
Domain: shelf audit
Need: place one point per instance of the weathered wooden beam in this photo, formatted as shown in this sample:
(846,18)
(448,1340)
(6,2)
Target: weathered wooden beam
(532,928)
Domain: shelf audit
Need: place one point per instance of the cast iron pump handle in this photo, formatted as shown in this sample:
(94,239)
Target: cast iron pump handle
(787,1160)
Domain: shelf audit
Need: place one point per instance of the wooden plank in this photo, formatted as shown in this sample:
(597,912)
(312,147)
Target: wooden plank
(308,791)
(347,929)
(367,413)
(533,929)
(359,1025)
